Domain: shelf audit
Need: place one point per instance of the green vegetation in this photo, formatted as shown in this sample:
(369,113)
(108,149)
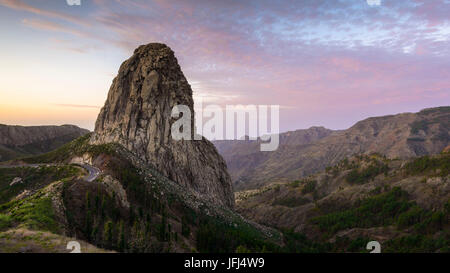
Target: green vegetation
(35,212)
(242,249)
(436,117)
(361,176)
(33,178)
(298,243)
(291,202)
(380,210)
(78,147)
(345,244)
(438,110)
(393,208)
(8,153)
(309,187)
(377,164)
(5,221)
(432,165)
(158,219)
(418,243)
(36,147)
(214,236)
(419,125)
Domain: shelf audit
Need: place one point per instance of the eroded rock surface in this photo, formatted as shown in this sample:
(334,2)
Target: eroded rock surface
(137,114)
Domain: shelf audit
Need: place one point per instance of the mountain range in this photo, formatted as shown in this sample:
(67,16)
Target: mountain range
(21,141)
(305,152)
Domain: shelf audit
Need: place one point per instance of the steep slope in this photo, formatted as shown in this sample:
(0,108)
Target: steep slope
(405,205)
(137,115)
(20,141)
(130,207)
(30,211)
(398,136)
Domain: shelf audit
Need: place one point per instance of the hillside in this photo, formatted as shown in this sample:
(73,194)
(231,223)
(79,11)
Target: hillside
(403,204)
(21,141)
(397,136)
(130,207)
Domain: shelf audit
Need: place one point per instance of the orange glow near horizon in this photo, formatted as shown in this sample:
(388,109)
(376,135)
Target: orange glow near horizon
(28,115)
(317,60)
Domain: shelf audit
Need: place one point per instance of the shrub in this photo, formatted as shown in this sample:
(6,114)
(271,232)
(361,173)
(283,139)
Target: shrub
(428,164)
(291,202)
(379,210)
(5,221)
(309,187)
(416,126)
(357,176)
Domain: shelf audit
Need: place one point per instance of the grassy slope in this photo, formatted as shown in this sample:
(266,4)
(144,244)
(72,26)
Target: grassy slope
(32,178)
(30,224)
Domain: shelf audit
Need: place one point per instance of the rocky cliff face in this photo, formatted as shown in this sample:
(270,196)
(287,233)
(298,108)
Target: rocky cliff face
(16,141)
(137,115)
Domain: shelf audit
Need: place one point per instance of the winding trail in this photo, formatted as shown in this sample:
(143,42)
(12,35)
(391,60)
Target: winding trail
(93,172)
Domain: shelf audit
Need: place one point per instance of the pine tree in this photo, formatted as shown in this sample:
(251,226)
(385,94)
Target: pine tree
(162,229)
(88,201)
(108,233)
(103,212)
(97,203)
(185,230)
(94,233)
(88,224)
(121,237)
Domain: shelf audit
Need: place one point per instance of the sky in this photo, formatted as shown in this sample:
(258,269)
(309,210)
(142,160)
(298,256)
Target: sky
(326,63)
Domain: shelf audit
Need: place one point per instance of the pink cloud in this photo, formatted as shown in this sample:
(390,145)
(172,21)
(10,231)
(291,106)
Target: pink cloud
(20,5)
(325,57)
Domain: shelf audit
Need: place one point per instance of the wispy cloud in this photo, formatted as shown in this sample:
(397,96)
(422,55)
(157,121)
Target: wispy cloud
(52,26)
(315,57)
(22,6)
(78,106)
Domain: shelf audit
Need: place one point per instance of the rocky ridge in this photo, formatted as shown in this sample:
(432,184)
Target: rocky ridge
(19,141)
(401,136)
